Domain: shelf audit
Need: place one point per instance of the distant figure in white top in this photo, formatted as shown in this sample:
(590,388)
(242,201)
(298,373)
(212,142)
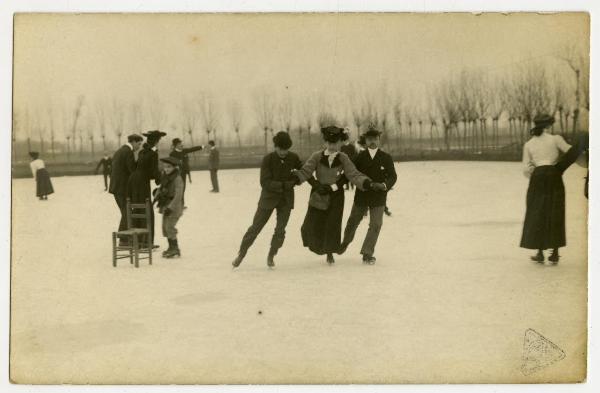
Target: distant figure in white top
(544,226)
(43,185)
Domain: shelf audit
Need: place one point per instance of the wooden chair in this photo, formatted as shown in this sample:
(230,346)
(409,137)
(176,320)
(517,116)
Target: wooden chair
(138,237)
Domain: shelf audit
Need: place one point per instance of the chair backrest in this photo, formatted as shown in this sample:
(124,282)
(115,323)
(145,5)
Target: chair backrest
(134,216)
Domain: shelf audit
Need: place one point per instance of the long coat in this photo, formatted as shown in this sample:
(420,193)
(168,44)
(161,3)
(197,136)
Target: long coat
(277,180)
(379,169)
(171,191)
(123,164)
(322,228)
(138,187)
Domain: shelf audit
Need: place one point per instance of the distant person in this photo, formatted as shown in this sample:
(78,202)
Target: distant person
(123,165)
(105,163)
(181,153)
(322,226)
(170,203)
(351,152)
(138,187)
(213,165)
(277,183)
(544,225)
(43,184)
(379,167)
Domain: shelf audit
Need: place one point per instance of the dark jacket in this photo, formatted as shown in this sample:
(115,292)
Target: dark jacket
(379,169)
(105,163)
(170,193)
(277,181)
(213,158)
(138,187)
(182,156)
(350,150)
(123,164)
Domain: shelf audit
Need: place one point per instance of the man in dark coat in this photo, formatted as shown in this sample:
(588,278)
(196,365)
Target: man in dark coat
(181,154)
(379,167)
(277,193)
(213,165)
(123,164)
(105,163)
(138,187)
(351,152)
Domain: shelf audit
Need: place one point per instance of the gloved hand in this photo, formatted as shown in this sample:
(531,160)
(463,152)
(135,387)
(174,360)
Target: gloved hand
(167,211)
(378,187)
(324,189)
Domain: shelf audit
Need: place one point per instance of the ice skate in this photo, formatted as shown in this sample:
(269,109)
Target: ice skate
(237,261)
(554,257)
(330,259)
(271,261)
(369,259)
(174,252)
(539,257)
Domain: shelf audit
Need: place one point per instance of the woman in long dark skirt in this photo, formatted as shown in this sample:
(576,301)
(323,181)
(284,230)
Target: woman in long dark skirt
(43,184)
(322,227)
(544,226)
(138,186)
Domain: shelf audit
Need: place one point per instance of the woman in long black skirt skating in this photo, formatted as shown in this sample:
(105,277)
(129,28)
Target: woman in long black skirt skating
(43,184)
(544,226)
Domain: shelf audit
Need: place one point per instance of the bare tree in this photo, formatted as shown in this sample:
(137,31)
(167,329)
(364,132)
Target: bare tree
(156,113)
(578,62)
(397,112)
(136,120)
(264,108)
(286,112)
(306,117)
(117,119)
(560,100)
(496,107)
(209,114)
(447,102)
(235,114)
(189,118)
(100,112)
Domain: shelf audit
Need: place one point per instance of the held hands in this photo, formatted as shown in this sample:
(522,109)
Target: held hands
(167,211)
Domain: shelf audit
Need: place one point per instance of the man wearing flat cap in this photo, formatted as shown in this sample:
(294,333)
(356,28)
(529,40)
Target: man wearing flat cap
(123,165)
(379,167)
(181,154)
(138,187)
(277,193)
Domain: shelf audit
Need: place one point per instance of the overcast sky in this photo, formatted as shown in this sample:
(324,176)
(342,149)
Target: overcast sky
(171,56)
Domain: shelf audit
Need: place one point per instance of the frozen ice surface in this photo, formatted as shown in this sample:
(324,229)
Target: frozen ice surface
(449,299)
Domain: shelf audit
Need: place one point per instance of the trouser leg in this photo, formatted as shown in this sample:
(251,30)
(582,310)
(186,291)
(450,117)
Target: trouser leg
(356,215)
(169,227)
(375,223)
(184,178)
(283,216)
(122,204)
(214,179)
(105,181)
(260,219)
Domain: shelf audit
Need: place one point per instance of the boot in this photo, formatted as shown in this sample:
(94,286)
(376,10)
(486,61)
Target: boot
(554,257)
(330,259)
(168,250)
(387,211)
(174,251)
(238,260)
(369,259)
(539,257)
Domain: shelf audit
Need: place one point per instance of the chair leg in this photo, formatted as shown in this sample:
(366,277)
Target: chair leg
(114,250)
(130,250)
(136,250)
(150,255)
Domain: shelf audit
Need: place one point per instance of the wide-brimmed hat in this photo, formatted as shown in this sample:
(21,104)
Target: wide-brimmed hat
(175,141)
(542,121)
(371,132)
(154,134)
(282,140)
(134,138)
(34,154)
(170,160)
(334,134)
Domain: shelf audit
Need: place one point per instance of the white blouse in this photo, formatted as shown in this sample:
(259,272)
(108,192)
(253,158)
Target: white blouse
(35,165)
(543,150)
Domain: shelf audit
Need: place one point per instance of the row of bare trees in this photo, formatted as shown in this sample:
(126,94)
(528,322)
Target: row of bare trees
(463,111)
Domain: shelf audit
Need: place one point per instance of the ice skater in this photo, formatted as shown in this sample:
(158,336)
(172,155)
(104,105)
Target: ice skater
(43,184)
(379,167)
(322,227)
(213,165)
(169,198)
(123,165)
(277,183)
(181,154)
(138,187)
(105,163)
(361,145)
(544,225)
